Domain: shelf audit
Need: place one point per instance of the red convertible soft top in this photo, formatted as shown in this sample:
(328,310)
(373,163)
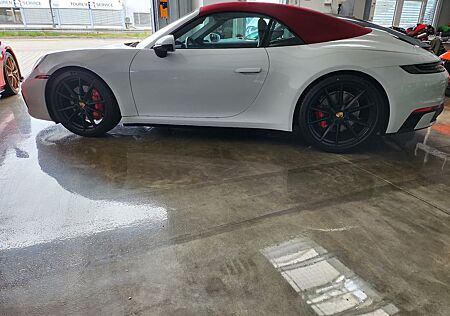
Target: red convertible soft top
(311,26)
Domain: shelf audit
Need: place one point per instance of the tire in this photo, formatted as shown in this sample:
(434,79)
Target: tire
(89,111)
(11,75)
(342,112)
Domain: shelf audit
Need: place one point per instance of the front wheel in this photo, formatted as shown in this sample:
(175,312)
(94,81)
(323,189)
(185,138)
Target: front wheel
(11,75)
(83,103)
(341,113)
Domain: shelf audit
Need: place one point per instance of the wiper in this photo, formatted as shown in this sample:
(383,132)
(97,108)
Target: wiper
(132,44)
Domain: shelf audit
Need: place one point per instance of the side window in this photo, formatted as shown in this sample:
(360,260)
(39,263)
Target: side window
(223,30)
(280,35)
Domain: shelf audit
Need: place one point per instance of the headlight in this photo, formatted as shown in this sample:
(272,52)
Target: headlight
(39,61)
(428,68)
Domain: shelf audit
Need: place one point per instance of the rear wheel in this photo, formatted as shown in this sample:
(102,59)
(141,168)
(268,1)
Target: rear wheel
(341,112)
(83,103)
(12,75)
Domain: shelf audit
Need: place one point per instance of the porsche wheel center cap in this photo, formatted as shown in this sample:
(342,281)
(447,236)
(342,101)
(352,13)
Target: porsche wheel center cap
(82,104)
(339,115)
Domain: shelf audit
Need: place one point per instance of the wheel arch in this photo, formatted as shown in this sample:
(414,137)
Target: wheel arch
(376,83)
(10,50)
(71,68)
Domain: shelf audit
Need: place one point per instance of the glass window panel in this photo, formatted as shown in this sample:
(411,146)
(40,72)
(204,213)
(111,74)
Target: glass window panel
(430,11)
(410,13)
(384,12)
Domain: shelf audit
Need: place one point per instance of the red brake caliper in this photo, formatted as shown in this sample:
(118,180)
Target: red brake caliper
(321,115)
(99,107)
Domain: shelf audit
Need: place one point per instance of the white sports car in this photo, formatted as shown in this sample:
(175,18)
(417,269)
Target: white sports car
(338,82)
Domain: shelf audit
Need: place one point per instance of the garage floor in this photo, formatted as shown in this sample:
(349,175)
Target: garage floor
(184,221)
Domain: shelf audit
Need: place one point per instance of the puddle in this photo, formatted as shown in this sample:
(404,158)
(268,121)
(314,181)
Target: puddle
(431,151)
(323,282)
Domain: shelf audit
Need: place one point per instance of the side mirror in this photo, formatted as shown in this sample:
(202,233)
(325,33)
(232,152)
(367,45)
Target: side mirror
(164,45)
(214,38)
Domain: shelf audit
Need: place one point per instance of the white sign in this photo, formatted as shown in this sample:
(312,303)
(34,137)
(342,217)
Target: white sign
(64,4)
(24,4)
(32,3)
(86,4)
(6,3)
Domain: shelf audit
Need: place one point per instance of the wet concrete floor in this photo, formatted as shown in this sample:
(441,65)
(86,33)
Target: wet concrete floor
(172,221)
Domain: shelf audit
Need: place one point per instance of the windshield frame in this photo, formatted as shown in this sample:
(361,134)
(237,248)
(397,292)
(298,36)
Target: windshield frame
(168,29)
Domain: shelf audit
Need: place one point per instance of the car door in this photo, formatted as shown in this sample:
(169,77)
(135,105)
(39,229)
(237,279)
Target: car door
(216,70)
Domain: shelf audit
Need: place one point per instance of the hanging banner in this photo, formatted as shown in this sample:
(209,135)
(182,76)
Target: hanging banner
(86,4)
(23,4)
(64,4)
(163,9)
(7,4)
(32,3)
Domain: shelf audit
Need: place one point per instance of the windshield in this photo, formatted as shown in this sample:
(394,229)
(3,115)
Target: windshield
(167,29)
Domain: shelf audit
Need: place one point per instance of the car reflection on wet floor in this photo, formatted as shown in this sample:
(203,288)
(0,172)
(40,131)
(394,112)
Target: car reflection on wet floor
(87,207)
(176,219)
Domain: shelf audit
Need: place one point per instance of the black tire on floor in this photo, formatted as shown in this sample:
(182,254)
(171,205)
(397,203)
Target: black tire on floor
(11,75)
(341,113)
(83,103)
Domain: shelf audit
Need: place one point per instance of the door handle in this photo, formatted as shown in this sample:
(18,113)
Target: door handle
(248,70)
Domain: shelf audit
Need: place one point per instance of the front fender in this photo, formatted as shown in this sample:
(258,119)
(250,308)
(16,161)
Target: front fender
(111,65)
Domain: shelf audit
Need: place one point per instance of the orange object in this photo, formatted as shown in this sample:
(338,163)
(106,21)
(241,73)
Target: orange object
(163,9)
(442,129)
(445,56)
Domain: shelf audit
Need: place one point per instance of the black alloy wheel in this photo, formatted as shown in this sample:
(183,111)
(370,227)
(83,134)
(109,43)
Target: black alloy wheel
(83,103)
(341,113)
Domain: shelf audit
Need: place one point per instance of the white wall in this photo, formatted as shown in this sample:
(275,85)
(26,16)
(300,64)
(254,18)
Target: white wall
(358,10)
(318,5)
(208,2)
(322,6)
(325,6)
(198,3)
(444,17)
(137,5)
(272,1)
(131,6)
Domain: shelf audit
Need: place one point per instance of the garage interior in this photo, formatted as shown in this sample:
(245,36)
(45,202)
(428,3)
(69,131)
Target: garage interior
(210,221)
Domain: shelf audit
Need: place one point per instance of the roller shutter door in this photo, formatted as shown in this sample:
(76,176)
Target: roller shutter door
(74,17)
(384,12)
(37,16)
(430,11)
(410,13)
(107,17)
(142,19)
